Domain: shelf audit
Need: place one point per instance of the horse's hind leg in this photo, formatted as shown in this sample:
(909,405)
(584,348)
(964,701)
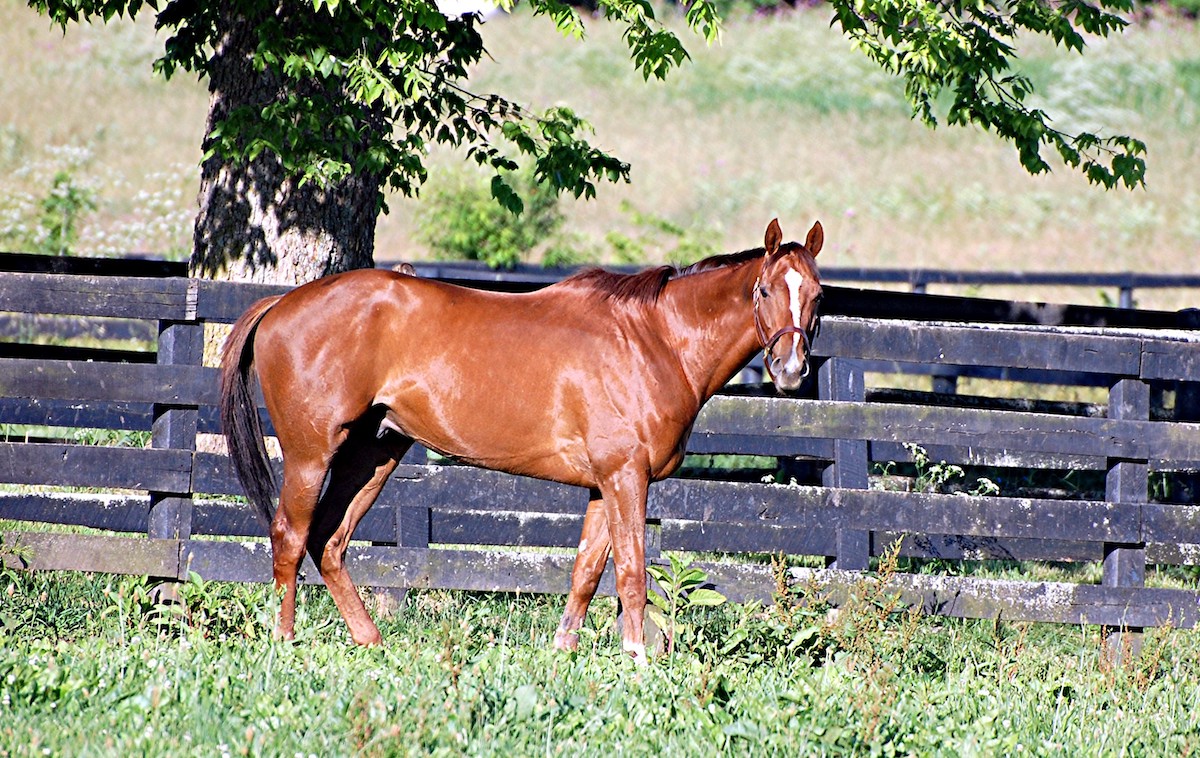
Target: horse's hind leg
(302,480)
(360,469)
(585,577)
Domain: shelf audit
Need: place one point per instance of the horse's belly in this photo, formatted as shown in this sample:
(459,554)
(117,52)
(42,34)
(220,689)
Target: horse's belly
(515,444)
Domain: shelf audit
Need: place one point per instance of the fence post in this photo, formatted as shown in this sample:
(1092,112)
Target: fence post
(175,427)
(841,379)
(412,530)
(1125,298)
(1127,483)
(412,524)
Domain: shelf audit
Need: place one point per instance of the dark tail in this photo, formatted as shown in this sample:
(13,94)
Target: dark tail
(239,412)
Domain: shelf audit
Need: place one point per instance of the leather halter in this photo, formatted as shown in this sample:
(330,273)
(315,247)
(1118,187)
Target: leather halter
(769,344)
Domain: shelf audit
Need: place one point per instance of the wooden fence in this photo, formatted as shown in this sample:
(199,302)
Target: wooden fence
(456,527)
(918,280)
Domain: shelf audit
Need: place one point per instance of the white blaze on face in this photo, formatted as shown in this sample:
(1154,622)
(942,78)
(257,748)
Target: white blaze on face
(794,279)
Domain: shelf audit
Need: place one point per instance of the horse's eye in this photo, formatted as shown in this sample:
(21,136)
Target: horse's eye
(763,291)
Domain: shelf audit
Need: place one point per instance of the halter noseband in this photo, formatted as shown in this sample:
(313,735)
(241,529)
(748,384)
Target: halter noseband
(769,344)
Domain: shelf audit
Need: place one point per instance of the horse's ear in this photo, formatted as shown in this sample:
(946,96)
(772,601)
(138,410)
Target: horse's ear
(773,237)
(816,239)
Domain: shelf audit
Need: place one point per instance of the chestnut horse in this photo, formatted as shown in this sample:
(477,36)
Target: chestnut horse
(594,381)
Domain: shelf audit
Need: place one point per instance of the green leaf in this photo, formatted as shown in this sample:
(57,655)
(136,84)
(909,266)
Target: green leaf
(506,196)
(658,617)
(706,597)
(658,601)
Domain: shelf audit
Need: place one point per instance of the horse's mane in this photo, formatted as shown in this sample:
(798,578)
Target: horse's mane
(646,286)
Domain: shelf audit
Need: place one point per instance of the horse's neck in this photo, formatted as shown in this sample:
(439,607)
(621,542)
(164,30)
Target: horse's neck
(712,322)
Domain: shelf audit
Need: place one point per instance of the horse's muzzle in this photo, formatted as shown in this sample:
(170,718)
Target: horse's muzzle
(788,373)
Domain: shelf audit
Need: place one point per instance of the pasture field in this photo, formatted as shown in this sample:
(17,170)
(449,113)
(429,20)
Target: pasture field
(88,665)
(782,119)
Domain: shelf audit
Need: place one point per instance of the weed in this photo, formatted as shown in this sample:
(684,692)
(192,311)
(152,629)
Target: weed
(680,589)
(61,211)
(935,477)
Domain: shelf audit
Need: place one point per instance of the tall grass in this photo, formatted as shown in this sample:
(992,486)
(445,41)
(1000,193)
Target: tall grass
(94,667)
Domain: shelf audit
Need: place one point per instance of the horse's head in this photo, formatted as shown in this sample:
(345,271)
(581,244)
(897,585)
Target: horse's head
(787,296)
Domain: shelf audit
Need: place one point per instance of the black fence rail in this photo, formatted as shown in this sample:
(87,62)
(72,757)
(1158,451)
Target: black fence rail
(159,506)
(918,280)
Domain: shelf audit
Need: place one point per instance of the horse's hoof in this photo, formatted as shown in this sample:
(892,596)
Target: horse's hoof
(567,642)
(637,651)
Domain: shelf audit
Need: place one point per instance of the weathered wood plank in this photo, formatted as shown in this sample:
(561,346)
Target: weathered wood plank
(480,570)
(755,444)
(882,304)
(970,597)
(1170,359)
(118,513)
(238,518)
(818,507)
(915,342)
(213,474)
(227,301)
(75,413)
(1171,523)
(234,561)
(463,527)
(724,537)
(90,295)
(996,430)
(466,488)
(86,381)
(85,466)
(959,547)
(138,556)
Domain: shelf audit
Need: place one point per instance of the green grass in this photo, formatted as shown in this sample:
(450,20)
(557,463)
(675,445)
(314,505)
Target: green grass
(89,665)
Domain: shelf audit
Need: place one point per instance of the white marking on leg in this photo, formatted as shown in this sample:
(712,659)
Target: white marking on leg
(637,651)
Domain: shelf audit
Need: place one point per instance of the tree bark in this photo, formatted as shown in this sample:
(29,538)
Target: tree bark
(255,223)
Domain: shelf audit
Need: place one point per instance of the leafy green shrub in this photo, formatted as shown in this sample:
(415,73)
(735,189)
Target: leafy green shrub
(461,219)
(61,210)
(47,224)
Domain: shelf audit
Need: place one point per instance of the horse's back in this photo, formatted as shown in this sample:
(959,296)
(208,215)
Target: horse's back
(527,383)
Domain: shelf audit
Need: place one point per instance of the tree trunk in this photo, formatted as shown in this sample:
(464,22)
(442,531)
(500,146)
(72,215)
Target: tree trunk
(255,223)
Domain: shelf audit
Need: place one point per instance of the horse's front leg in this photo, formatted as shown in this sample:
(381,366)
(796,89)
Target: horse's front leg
(624,495)
(594,546)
